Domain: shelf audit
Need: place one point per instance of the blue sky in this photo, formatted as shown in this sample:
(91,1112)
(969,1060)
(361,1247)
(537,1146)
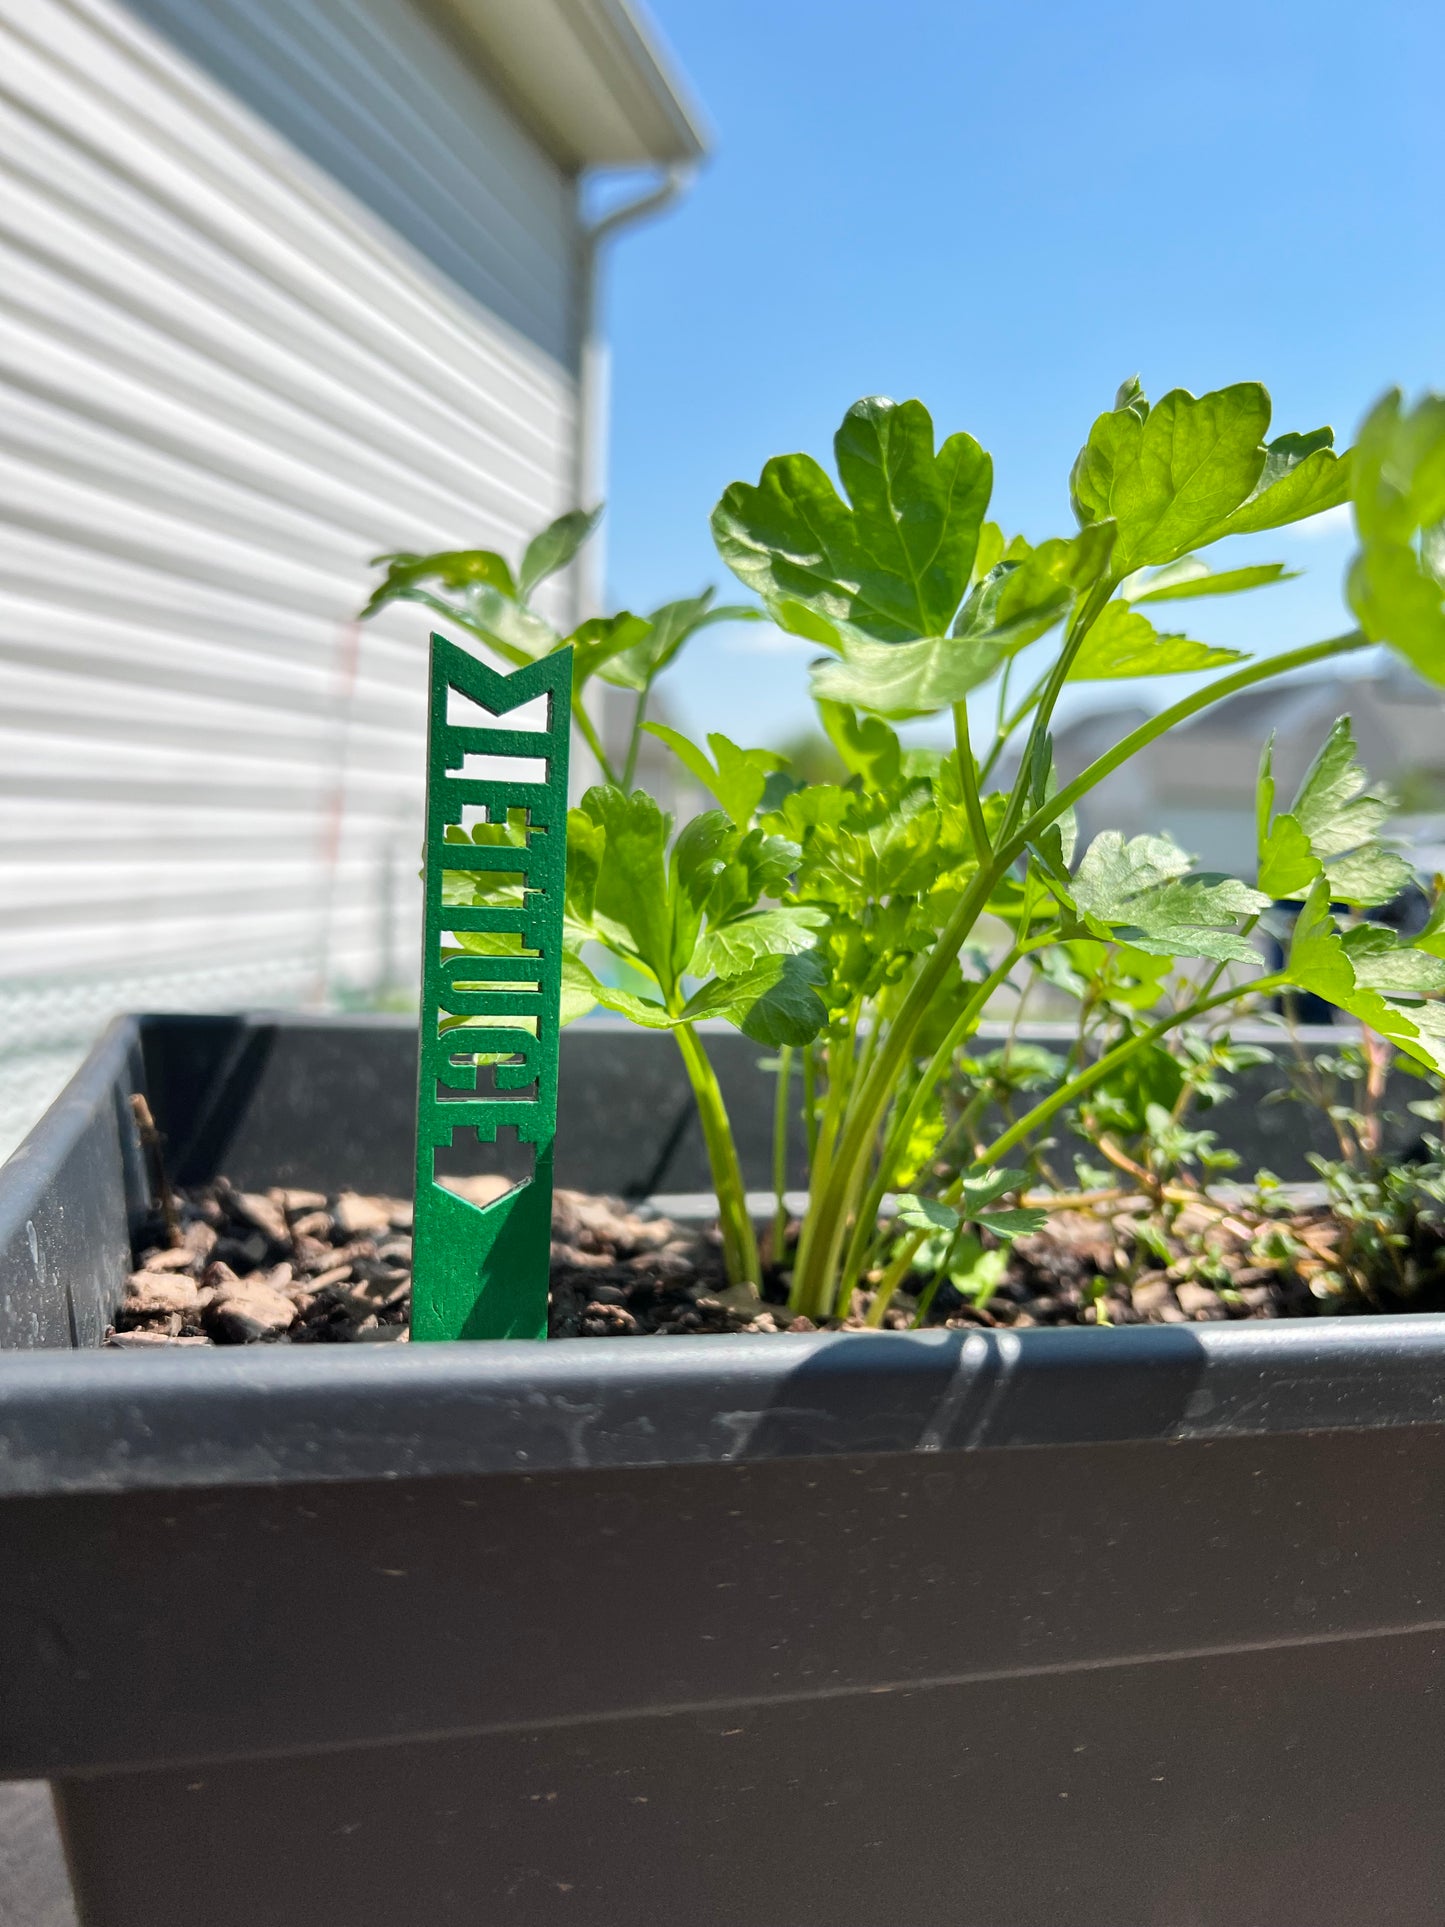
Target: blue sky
(1005,211)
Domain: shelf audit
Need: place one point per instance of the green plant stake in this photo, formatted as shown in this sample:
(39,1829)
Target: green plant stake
(480,1271)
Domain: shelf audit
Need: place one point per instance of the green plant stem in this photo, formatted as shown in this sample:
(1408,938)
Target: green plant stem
(1000,731)
(634,741)
(933,1073)
(873,1099)
(1219,969)
(963,1026)
(1180,712)
(1186,1090)
(840,1081)
(968,782)
(829,1211)
(1056,1101)
(825,1226)
(925,1302)
(1066,1093)
(898,1269)
(592,740)
(1082,620)
(1006,729)
(740,1246)
(820,1250)
(780,1151)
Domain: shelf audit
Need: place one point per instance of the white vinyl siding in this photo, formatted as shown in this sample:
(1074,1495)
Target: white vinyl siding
(232,369)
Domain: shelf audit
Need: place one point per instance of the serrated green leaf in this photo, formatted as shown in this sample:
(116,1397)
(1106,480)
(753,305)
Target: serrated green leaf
(982,1185)
(762,866)
(763,933)
(868,747)
(1140,889)
(1114,872)
(1189,578)
(925,1214)
(555,547)
(1380,962)
(1287,864)
(904,679)
(1171,478)
(586,843)
(1301,477)
(631,884)
(895,560)
(1317,960)
(741,777)
(1330,828)
(1332,806)
(1320,961)
(1122,643)
(700,858)
(1368,877)
(1020,1222)
(736,776)
(1395,585)
(1026,593)
(664,634)
(448,569)
(1190,471)
(774,1002)
(599,639)
(1193,917)
(821,806)
(582,991)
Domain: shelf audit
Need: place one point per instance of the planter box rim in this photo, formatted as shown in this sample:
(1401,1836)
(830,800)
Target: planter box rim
(110,1421)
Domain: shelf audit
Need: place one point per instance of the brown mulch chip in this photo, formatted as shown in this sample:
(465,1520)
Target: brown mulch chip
(300,1268)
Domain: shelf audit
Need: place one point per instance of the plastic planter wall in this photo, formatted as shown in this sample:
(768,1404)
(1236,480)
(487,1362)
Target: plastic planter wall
(1080,1627)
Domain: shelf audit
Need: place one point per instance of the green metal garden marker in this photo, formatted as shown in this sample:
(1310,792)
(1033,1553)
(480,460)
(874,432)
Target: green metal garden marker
(480,1271)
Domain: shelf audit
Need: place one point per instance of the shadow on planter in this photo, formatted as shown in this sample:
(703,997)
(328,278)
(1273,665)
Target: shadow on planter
(991,1630)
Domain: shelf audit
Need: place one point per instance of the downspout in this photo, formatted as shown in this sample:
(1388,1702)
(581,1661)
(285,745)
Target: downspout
(590,459)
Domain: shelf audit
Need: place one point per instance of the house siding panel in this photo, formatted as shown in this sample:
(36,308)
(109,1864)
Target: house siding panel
(235,364)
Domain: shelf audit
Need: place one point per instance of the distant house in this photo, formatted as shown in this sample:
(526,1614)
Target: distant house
(1198,782)
(285,283)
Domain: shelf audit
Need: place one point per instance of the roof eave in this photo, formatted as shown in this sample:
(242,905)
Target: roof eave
(591,79)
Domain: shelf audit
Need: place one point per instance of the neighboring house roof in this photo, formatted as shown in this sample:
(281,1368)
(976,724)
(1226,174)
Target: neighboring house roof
(1198,782)
(590,78)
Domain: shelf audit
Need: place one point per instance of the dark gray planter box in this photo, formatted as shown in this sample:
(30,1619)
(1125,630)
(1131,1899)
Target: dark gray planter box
(1057,1629)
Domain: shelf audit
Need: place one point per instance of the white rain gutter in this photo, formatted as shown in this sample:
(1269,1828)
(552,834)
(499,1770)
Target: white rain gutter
(590,460)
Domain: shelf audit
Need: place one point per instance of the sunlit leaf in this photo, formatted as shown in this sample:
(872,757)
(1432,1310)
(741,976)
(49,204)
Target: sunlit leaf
(896,558)
(905,679)
(736,777)
(1189,578)
(1123,643)
(763,933)
(775,1001)
(1396,583)
(555,547)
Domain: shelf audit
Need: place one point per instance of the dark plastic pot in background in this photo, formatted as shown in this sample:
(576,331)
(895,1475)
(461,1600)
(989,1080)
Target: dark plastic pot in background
(1075,1627)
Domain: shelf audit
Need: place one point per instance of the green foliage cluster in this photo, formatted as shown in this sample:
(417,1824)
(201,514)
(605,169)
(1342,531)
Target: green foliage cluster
(861,926)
